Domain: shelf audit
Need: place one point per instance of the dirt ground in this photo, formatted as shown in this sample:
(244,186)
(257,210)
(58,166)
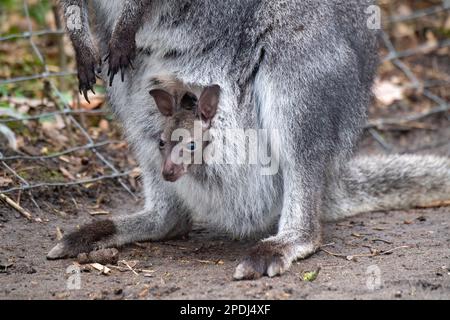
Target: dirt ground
(410,255)
(201,267)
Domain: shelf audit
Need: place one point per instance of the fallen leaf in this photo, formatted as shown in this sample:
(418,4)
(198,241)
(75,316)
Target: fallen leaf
(99,267)
(144,293)
(52,130)
(311,275)
(96,102)
(104,125)
(59,234)
(388,92)
(4,182)
(67,174)
(64,159)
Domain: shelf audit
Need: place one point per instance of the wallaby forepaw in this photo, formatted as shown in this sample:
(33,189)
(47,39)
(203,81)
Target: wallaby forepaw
(264,260)
(88,66)
(122,51)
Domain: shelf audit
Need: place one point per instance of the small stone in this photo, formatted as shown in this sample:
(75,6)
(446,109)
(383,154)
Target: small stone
(104,257)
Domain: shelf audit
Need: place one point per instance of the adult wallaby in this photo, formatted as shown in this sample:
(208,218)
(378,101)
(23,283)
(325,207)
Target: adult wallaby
(300,69)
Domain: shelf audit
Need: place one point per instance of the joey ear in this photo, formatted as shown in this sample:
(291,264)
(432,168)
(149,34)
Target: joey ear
(208,103)
(164,101)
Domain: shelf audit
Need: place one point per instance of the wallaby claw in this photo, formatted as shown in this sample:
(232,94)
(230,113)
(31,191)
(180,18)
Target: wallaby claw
(88,65)
(58,252)
(255,267)
(121,55)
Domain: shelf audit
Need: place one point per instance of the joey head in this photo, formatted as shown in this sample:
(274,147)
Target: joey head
(184,136)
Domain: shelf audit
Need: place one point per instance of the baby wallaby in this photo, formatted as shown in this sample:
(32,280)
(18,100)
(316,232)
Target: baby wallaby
(184,136)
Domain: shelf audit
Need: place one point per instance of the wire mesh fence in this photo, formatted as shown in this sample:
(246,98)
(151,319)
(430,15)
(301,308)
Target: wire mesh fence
(65,111)
(19,166)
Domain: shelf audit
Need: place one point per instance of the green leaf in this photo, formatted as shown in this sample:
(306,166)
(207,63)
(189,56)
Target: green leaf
(311,276)
(3,91)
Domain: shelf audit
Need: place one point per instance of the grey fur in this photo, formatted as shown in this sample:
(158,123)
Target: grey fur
(304,68)
(87,55)
(122,44)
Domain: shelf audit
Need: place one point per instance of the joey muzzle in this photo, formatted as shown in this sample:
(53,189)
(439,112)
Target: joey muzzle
(171,172)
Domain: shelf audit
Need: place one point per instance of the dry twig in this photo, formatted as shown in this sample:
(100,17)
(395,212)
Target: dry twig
(437,204)
(10,202)
(368,255)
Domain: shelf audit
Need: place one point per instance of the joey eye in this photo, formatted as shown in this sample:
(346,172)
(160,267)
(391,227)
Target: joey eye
(162,144)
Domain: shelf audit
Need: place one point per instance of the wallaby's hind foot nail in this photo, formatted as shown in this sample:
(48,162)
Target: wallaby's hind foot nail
(58,252)
(254,268)
(275,269)
(266,259)
(245,272)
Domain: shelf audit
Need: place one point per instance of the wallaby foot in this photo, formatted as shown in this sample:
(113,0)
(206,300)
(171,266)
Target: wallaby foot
(88,238)
(272,257)
(120,231)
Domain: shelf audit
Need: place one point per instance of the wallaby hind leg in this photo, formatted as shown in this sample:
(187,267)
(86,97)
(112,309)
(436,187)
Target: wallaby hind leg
(164,217)
(317,113)
(299,230)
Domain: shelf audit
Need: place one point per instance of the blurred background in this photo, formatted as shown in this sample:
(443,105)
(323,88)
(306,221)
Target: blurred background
(54,144)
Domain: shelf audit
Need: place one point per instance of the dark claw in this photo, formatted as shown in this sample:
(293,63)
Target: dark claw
(120,56)
(87,76)
(85,93)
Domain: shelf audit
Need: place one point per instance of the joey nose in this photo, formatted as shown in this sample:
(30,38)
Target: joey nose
(169,171)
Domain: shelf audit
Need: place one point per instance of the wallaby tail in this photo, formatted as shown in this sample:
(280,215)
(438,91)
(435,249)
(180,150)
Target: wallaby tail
(382,183)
